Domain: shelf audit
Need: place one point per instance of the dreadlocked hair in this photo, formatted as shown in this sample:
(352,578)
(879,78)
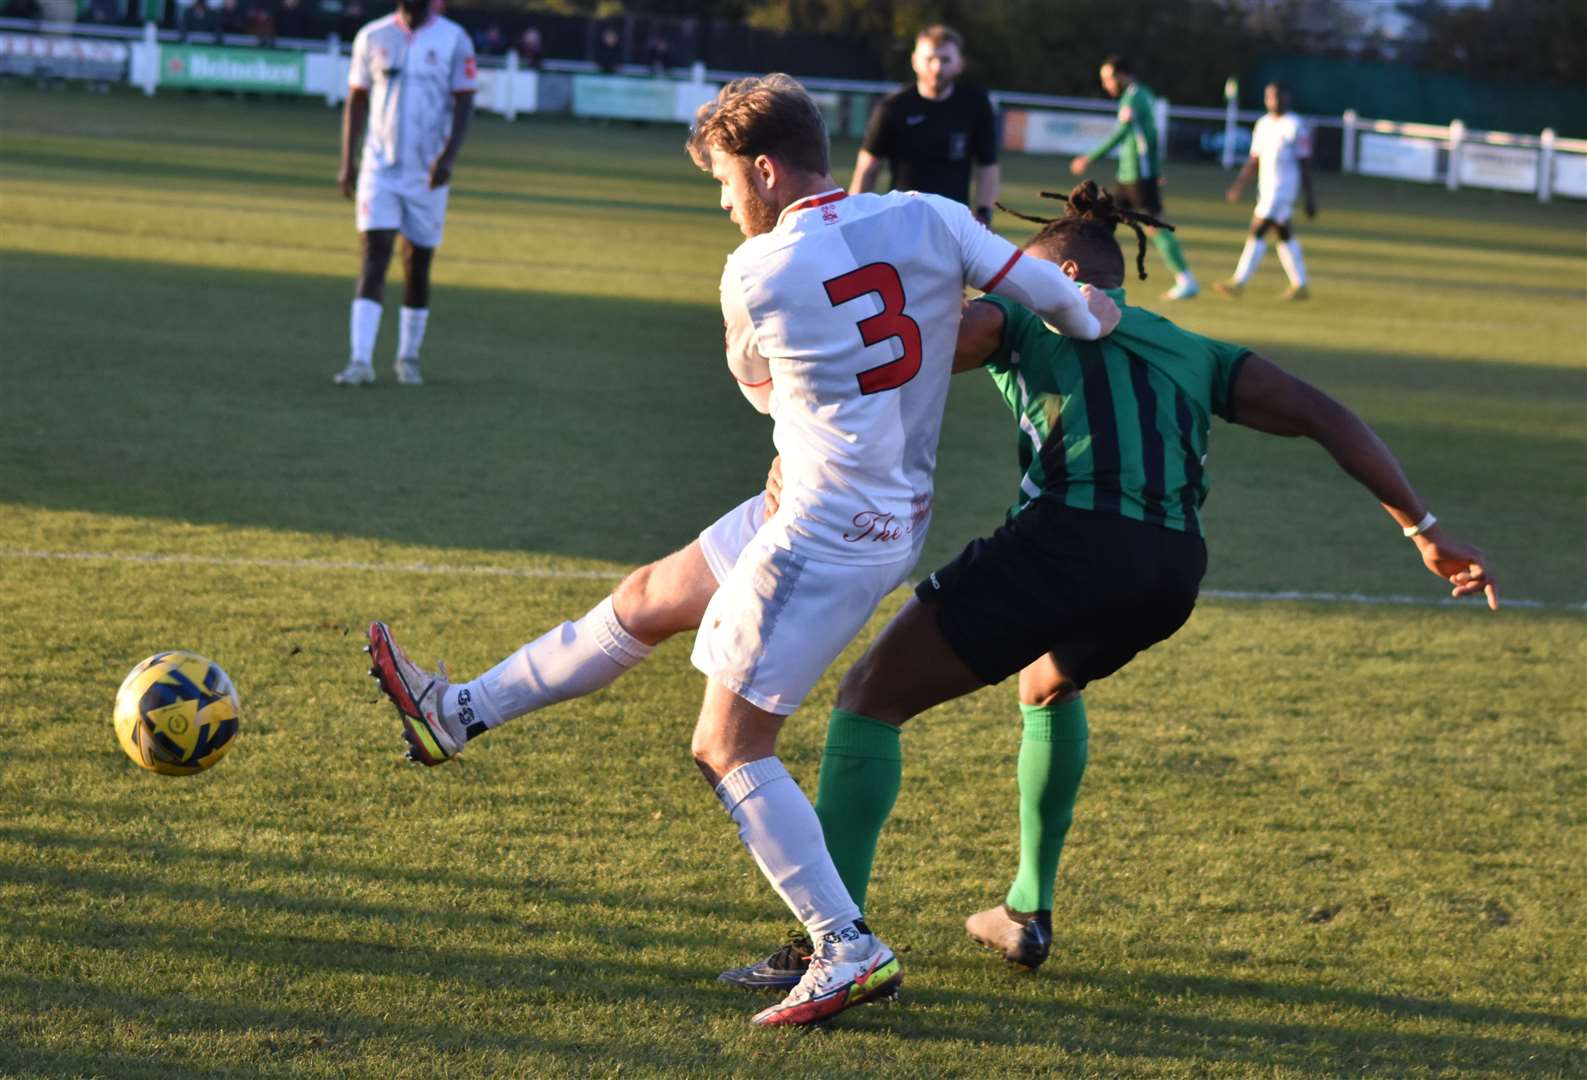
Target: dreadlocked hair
(1090,215)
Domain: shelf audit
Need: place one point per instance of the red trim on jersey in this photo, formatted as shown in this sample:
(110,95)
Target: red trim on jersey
(751,385)
(811,201)
(1001,274)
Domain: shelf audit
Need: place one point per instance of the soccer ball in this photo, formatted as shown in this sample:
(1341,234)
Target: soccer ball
(177,713)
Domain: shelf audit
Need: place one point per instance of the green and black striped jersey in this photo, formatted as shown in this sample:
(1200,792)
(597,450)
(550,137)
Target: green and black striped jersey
(1118,425)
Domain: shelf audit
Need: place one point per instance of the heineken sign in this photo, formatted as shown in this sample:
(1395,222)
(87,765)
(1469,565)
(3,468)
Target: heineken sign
(266,70)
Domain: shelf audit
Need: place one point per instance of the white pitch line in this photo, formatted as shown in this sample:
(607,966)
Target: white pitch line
(531,572)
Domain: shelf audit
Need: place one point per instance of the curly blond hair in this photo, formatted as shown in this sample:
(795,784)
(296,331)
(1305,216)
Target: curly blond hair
(771,115)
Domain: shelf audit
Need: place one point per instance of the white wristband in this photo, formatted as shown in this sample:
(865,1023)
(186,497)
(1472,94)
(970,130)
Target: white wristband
(1421,526)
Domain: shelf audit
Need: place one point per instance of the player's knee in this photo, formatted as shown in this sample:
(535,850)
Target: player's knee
(861,692)
(1045,691)
(372,271)
(1259,228)
(713,759)
(1283,231)
(638,605)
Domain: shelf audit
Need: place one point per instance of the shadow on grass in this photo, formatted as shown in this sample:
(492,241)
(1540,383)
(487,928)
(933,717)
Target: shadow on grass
(1135,1025)
(1329,1025)
(593,427)
(238,865)
(300,1030)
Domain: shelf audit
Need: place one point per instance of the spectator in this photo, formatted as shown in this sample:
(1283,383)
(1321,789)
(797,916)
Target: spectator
(659,56)
(234,19)
(490,42)
(291,20)
(351,19)
(530,50)
(264,25)
(198,21)
(99,11)
(609,51)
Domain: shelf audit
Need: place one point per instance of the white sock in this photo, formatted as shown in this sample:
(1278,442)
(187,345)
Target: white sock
(569,661)
(780,828)
(363,325)
(1295,266)
(1250,258)
(1185,280)
(410,331)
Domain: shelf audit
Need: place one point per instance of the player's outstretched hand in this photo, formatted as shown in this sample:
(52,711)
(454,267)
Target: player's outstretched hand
(1233,194)
(1101,305)
(1465,567)
(1078,165)
(344,180)
(440,173)
(773,486)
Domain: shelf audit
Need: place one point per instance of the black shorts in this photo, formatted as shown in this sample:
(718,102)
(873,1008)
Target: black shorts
(1093,589)
(1139,195)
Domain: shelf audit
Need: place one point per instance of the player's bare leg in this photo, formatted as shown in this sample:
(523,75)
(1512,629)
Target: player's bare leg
(735,748)
(415,314)
(364,320)
(571,660)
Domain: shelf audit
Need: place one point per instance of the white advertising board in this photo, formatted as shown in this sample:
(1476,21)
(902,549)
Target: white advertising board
(507,92)
(1043,132)
(1398,156)
(36,47)
(1570,175)
(1506,168)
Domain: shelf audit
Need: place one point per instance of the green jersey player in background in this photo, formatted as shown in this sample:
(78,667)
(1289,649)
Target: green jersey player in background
(1101,557)
(1140,176)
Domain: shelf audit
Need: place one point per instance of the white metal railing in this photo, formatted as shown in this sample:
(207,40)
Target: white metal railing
(1542,164)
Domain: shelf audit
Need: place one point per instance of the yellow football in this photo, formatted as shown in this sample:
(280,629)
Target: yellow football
(177,713)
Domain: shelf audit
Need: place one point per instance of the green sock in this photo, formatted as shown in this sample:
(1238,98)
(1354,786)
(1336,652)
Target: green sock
(861,769)
(1052,759)
(1167,245)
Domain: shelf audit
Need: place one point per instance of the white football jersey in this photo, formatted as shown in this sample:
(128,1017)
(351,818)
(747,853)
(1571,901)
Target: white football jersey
(411,76)
(1279,143)
(850,308)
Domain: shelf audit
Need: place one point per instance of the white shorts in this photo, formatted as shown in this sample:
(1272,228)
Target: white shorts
(402,199)
(778,619)
(1275,206)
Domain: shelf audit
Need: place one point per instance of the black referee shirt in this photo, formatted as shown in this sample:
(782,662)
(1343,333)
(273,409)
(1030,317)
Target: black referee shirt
(928,144)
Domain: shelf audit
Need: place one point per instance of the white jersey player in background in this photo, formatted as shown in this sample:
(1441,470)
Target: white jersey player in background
(412,79)
(1281,159)
(842,314)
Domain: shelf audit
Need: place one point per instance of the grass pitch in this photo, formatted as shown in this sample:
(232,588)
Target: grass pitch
(1315,838)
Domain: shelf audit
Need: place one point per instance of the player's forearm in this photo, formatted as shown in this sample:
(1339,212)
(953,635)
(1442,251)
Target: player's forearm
(1358,450)
(1105,147)
(355,114)
(462,117)
(865,170)
(988,185)
(1047,290)
(1247,171)
(1305,182)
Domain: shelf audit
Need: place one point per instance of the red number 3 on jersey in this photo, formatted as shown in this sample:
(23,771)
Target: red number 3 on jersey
(881,279)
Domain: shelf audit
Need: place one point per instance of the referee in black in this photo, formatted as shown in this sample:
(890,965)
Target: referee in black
(932,134)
